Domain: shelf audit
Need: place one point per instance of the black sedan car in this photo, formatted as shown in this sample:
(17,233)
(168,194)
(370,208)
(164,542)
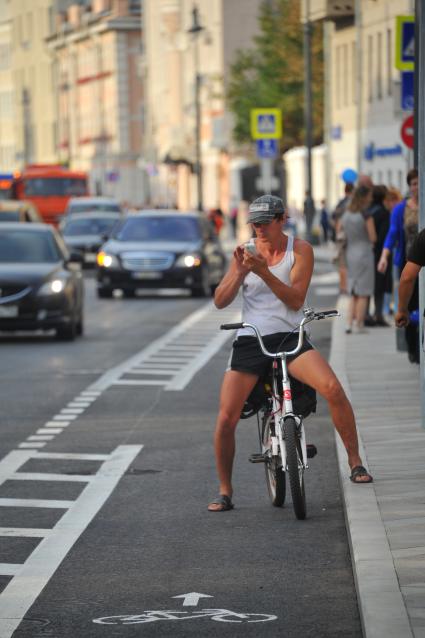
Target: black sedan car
(86,232)
(41,285)
(161,249)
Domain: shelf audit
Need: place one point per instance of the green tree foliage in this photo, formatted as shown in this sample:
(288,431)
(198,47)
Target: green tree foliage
(271,75)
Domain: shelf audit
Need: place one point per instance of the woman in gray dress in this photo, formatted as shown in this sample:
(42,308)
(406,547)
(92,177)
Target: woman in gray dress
(360,233)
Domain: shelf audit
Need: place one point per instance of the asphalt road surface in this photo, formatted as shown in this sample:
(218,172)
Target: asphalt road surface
(106,531)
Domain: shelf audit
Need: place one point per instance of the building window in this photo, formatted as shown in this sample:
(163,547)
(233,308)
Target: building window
(400,182)
(389,62)
(389,177)
(338,76)
(345,73)
(369,63)
(379,63)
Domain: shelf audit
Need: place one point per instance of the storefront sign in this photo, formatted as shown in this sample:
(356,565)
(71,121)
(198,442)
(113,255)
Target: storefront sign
(371,151)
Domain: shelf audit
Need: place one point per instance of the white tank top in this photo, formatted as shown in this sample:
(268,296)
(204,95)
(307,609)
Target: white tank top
(260,305)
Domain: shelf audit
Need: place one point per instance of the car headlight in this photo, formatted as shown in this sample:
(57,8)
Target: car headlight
(189,260)
(52,287)
(106,260)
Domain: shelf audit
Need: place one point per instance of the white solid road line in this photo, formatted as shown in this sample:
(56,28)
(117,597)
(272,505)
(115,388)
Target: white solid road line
(32,576)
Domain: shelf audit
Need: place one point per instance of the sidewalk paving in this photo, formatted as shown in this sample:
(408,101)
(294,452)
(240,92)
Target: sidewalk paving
(385,519)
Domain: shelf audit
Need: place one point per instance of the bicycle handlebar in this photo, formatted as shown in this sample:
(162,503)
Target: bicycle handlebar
(309,315)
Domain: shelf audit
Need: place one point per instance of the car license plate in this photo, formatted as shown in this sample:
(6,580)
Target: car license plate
(146,275)
(90,258)
(8,311)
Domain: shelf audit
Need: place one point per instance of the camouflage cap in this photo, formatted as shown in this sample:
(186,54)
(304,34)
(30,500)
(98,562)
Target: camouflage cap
(263,209)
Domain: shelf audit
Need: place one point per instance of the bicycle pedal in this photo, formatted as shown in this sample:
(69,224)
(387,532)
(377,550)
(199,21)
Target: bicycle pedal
(257,458)
(311,450)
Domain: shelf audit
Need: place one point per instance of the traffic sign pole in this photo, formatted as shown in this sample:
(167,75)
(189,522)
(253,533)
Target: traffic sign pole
(420,148)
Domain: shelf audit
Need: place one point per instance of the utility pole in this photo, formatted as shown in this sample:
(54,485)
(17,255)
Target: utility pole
(309,210)
(195,29)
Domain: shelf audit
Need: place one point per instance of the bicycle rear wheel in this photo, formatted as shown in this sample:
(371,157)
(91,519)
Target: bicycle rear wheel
(295,464)
(275,476)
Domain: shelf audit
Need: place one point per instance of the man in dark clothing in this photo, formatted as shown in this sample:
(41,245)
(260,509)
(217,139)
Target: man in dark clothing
(408,278)
(383,281)
(408,292)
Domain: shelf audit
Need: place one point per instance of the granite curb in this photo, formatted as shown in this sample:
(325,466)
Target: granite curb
(382,608)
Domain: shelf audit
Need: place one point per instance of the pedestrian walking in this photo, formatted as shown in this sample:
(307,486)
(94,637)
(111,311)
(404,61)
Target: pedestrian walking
(360,234)
(324,221)
(383,281)
(339,259)
(309,214)
(400,237)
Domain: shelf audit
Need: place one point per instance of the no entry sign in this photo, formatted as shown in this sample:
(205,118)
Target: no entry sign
(407,131)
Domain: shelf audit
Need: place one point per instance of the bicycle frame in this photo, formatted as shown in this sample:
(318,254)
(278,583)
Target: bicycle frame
(282,397)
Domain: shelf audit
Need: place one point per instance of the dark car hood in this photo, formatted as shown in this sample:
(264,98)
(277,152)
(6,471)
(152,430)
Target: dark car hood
(31,274)
(153,246)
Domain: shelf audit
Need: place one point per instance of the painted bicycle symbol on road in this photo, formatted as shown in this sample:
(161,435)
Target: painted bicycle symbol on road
(220,615)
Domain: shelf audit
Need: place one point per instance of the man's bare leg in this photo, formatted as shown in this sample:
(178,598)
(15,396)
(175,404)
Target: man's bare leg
(311,368)
(235,390)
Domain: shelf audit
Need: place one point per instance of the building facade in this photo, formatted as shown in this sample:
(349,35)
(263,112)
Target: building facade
(363,114)
(26,73)
(173,56)
(8,160)
(99,91)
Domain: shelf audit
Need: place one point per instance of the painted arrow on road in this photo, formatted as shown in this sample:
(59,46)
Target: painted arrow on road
(192,599)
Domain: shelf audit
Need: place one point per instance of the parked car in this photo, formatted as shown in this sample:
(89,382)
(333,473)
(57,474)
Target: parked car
(41,285)
(86,232)
(18,210)
(161,249)
(92,204)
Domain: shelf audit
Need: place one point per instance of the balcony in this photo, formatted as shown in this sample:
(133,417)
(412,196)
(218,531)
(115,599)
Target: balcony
(328,10)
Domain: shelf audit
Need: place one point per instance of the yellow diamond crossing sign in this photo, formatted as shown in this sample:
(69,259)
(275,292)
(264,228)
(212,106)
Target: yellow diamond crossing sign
(266,124)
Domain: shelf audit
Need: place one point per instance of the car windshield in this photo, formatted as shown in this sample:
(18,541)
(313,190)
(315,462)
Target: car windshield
(9,215)
(88,207)
(27,247)
(54,186)
(99,226)
(156,228)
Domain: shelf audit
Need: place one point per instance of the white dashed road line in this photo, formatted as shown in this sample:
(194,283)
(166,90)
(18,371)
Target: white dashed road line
(30,577)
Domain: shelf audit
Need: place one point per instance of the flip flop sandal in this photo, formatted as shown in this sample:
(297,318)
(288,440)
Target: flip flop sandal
(223,500)
(359,471)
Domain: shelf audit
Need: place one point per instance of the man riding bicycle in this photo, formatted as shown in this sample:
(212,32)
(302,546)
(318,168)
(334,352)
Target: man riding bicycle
(275,277)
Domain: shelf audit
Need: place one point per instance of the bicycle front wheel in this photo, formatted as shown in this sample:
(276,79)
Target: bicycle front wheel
(275,476)
(294,459)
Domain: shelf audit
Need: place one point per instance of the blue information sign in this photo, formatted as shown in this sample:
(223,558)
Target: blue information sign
(405,43)
(267,149)
(407,90)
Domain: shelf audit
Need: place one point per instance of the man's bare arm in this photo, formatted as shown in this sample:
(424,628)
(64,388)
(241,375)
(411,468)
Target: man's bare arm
(405,290)
(229,286)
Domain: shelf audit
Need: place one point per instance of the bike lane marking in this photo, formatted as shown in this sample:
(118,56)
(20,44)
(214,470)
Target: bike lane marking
(30,577)
(199,332)
(190,599)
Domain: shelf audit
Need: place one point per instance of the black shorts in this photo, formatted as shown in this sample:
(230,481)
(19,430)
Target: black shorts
(246,354)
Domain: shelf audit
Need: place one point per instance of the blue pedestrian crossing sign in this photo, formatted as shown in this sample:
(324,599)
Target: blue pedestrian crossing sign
(267,149)
(266,124)
(405,43)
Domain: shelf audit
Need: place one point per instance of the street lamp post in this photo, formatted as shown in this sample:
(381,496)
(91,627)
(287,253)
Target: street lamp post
(309,210)
(195,29)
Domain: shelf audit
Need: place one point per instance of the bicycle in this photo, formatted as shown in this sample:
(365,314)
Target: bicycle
(280,428)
